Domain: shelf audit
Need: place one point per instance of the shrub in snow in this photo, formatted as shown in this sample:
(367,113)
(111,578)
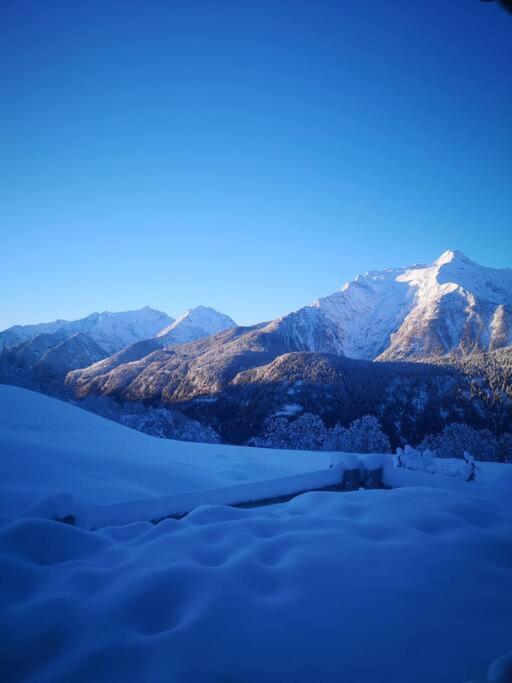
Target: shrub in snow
(431,442)
(414,459)
(470,468)
(192,430)
(425,461)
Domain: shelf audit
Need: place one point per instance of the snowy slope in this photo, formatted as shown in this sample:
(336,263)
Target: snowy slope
(196,323)
(49,446)
(112,331)
(412,584)
(420,311)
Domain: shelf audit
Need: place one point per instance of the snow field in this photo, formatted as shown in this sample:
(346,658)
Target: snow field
(402,585)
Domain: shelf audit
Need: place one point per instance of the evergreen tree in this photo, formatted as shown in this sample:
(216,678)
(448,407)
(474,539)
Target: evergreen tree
(363,435)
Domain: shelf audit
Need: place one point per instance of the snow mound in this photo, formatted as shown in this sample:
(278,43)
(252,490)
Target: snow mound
(406,585)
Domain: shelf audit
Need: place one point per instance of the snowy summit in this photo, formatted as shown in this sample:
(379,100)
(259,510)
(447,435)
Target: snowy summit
(453,305)
(195,323)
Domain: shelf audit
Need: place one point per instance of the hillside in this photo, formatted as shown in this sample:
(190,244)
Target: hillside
(49,446)
(215,381)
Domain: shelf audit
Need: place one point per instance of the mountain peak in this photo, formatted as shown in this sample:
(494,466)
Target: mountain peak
(199,312)
(195,323)
(417,311)
(450,256)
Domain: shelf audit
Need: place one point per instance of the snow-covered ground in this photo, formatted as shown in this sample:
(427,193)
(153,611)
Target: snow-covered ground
(48,446)
(402,585)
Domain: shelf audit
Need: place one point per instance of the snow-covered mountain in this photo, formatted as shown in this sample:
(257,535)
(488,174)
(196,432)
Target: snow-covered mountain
(195,323)
(420,312)
(417,312)
(112,339)
(115,331)
(453,305)
(112,331)
(44,361)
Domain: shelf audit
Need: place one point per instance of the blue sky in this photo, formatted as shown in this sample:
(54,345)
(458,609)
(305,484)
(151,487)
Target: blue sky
(250,156)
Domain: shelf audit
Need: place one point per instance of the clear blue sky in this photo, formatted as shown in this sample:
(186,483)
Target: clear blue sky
(251,156)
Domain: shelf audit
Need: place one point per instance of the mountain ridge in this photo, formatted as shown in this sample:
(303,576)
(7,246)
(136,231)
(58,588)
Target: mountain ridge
(398,318)
(377,314)
(112,331)
(388,319)
(42,361)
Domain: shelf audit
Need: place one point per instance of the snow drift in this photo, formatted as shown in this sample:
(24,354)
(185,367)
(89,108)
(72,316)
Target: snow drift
(408,584)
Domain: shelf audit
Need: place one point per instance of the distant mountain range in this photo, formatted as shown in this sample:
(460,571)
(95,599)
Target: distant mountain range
(218,373)
(111,331)
(41,355)
(422,312)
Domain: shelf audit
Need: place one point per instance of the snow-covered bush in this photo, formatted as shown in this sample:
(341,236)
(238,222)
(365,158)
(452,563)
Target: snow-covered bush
(425,461)
(336,439)
(470,467)
(414,459)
